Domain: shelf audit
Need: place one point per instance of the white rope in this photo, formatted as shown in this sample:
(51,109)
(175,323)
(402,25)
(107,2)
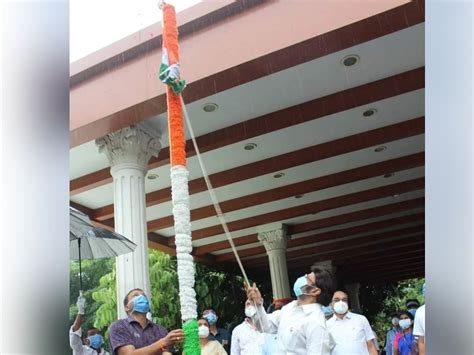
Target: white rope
(217,207)
(215,202)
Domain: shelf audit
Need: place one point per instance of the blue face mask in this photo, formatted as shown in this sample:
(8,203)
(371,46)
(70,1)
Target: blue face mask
(141,304)
(412,311)
(211,318)
(327,310)
(96,341)
(299,283)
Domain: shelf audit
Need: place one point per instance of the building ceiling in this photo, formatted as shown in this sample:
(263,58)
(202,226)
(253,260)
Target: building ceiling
(352,185)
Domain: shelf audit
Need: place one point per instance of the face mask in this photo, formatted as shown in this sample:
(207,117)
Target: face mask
(299,283)
(211,318)
(250,311)
(328,311)
(140,304)
(96,341)
(395,321)
(412,311)
(203,331)
(405,323)
(340,307)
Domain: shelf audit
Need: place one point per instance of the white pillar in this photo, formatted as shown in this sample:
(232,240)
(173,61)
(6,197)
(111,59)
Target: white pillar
(353,293)
(275,241)
(129,151)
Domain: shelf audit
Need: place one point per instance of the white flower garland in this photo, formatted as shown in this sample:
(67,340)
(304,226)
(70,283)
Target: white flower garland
(182,226)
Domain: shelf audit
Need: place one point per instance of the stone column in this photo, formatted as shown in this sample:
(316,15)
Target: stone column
(275,241)
(129,151)
(353,291)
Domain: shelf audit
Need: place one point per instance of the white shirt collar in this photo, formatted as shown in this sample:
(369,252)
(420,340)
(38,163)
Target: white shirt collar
(307,308)
(348,315)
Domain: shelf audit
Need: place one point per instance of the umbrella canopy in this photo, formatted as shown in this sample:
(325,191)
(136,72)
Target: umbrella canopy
(79,224)
(89,242)
(99,243)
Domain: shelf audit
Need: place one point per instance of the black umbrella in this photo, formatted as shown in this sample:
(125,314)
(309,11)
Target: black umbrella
(89,242)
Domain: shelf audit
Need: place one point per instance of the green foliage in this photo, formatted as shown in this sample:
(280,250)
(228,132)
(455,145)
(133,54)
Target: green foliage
(379,302)
(92,271)
(222,291)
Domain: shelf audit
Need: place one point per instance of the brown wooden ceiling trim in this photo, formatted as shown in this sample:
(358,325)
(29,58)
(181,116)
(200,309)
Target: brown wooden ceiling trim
(336,244)
(333,235)
(385,277)
(341,101)
(308,186)
(381,258)
(306,209)
(393,254)
(320,223)
(373,27)
(393,278)
(326,150)
(301,267)
(309,256)
(377,269)
(411,263)
(347,232)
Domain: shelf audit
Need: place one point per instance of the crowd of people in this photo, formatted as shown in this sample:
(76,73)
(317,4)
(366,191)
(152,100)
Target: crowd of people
(318,322)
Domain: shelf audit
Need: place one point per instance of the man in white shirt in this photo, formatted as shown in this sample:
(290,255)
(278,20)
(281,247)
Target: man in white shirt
(94,339)
(350,331)
(246,339)
(419,329)
(300,325)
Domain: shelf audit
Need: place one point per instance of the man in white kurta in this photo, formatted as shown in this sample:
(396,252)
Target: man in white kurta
(246,339)
(351,332)
(300,325)
(419,329)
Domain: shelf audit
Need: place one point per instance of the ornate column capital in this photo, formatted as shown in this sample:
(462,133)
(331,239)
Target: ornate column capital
(274,239)
(133,145)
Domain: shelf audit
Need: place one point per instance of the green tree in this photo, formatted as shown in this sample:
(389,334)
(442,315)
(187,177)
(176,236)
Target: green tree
(92,271)
(379,302)
(222,291)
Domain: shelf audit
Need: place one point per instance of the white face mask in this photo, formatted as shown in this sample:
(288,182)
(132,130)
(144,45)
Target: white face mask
(340,307)
(250,311)
(405,323)
(395,321)
(203,331)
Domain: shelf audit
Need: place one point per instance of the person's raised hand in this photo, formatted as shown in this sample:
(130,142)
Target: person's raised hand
(253,294)
(175,336)
(81,304)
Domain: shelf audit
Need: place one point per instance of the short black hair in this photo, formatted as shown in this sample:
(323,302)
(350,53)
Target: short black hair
(412,300)
(325,282)
(125,300)
(395,314)
(408,314)
(202,318)
(344,291)
(209,309)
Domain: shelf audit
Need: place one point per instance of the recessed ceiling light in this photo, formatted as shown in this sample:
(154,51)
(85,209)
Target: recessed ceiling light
(152,176)
(350,60)
(250,146)
(210,107)
(278,175)
(388,175)
(380,149)
(299,196)
(369,112)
